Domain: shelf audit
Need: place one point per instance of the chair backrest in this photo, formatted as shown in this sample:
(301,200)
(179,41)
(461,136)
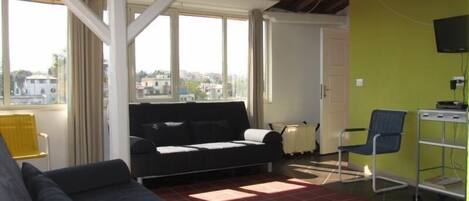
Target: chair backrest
(385,122)
(20,134)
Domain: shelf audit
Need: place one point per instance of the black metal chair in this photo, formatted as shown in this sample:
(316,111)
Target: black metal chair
(384,136)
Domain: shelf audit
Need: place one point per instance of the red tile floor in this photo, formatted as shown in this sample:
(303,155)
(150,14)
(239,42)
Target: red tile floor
(299,177)
(260,187)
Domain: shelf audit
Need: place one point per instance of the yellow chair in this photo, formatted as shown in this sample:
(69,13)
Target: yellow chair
(21,137)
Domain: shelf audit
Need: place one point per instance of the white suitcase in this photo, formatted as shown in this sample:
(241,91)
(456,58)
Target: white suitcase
(297,137)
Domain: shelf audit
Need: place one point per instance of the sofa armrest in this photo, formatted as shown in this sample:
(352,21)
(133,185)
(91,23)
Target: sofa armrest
(88,177)
(140,145)
(263,135)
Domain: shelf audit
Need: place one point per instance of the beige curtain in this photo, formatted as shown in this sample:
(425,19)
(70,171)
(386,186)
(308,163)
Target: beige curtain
(256,80)
(86,91)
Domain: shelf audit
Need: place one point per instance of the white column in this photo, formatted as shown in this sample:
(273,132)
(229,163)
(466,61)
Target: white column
(150,13)
(89,18)
(118,82)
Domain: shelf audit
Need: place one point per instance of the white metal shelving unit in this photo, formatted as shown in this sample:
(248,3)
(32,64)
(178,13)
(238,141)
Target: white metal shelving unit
(442,117)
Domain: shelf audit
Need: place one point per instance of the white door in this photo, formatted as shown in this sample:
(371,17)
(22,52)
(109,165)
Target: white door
(334,81)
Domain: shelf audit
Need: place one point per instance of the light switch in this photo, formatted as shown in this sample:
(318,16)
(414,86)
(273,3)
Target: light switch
(359,82)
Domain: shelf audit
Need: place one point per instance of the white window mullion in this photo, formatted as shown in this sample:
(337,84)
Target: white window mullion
(225,59)
(175,55)
(267,62)
(131,56)
(6,54)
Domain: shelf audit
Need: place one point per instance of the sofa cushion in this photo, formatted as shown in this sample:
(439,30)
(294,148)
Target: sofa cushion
(217,145)
(231,154)
(211,131)
(12,187)
(171,159)
(144,113)
(40,187)
(167,133)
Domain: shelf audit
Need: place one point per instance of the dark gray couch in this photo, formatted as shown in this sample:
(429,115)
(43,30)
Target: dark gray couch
(106,181)
(213,136)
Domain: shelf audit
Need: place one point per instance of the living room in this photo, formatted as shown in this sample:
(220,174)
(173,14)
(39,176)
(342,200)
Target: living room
(214,75)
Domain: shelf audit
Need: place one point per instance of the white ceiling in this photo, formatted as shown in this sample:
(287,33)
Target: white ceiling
(241,5)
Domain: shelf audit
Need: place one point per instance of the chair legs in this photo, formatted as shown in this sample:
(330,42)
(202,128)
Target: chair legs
(374,177)
(362,178)
(376,190)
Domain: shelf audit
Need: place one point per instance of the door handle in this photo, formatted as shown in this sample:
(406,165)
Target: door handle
(324,89)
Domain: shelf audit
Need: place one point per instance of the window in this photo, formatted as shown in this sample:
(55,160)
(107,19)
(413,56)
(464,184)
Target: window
(153,60)
(185,57)
(200,57)
(37,53)
(237,57)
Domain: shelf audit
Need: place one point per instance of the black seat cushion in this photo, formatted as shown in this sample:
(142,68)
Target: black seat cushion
(40,187)
(167,133)
(211,131)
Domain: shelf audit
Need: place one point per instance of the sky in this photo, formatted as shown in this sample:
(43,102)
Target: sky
(36,32)
(39,30)
(200,45)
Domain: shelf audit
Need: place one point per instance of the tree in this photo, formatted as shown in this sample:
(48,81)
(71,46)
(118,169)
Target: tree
(58,62)
(140,75)
(19,77)
(207,80)
(193,88)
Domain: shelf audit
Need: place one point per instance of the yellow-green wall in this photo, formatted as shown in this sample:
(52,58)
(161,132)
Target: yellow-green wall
(393,50)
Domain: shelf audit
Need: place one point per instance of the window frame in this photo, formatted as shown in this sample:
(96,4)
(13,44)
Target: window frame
(6,68)
(174,14)
(268,98)
(132,10)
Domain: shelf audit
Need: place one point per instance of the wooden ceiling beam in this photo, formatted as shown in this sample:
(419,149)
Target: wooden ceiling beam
(305,5)
(313,6)
(337,6)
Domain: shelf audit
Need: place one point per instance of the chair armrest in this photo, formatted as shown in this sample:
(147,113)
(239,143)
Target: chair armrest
(46,139)
(263,135)
(88,177)
(378,135)
(348,130)
(353,130)
(140,145)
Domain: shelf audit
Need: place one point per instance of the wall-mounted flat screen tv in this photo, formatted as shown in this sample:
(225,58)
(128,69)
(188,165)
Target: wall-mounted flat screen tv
(452,34)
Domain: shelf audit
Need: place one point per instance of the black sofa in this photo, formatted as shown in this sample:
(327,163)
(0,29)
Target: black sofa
(105,181)
(211,136)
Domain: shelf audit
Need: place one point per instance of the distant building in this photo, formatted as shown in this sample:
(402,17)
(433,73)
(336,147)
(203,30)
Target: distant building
(158,85)
(213,91)
(35,85)
(36,89)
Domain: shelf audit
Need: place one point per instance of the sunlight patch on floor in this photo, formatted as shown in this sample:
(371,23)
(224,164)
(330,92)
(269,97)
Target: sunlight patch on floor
(367,171)
(273,187)
(222,195)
